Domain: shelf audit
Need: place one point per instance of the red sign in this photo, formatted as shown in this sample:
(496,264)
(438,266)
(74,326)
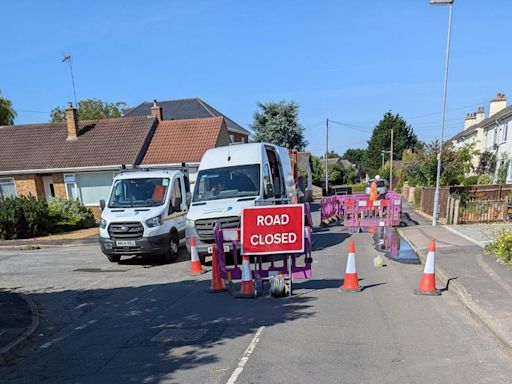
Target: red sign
(273,229)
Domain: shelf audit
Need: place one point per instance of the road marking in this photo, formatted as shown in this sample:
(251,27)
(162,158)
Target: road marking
(51,342)
(245,357)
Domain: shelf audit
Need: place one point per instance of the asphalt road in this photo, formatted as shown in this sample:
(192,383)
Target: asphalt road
(138,323)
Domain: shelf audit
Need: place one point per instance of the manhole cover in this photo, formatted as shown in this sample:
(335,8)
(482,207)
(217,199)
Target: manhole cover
(180,334)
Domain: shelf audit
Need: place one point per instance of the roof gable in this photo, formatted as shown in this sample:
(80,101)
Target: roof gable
(177,141)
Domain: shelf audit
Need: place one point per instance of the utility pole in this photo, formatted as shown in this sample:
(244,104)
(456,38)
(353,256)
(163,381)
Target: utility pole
(67,57)
(391,165)
(326,157)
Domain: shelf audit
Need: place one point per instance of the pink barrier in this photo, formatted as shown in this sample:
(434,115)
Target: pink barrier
(357,211)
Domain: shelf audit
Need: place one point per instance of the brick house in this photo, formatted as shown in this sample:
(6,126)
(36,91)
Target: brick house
(190,109)
(78,159)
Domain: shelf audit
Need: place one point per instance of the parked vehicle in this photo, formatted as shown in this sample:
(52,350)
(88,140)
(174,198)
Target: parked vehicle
(382,186)
(234,177)
(145,214)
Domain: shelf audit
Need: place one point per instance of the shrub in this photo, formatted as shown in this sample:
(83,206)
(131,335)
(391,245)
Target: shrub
(484,179)
(417,196)
(70,214)
(501,246)
(470,180)
(357,187)
(24,217)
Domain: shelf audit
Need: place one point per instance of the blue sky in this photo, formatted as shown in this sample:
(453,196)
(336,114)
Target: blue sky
(350,61)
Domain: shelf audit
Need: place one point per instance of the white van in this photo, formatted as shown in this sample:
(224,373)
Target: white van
(234,177)
(145,214)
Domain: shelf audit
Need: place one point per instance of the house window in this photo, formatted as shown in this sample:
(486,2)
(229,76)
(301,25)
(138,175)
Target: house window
(243,139)
(89,187)
(7,187)
(71,187)
(231,138)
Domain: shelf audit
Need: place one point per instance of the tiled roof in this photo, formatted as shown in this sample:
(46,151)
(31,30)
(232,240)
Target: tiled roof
(484,123)
(185,109)
(177,141)
(100,143)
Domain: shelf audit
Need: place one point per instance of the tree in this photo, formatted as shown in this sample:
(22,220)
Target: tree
(504,163)
(486,164)
(277,123)
(90,109)
(318,171)
(403,138)
(420,168)
(356,156)
(7,112)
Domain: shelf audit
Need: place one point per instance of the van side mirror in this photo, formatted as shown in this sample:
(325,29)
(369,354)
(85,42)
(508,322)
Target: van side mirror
(269,190)
(188,198)
(102,204)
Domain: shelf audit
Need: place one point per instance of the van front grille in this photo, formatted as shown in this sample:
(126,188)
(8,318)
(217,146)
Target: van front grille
(204,227)
(126,231)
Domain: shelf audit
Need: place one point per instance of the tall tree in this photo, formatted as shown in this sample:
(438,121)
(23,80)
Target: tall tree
(7,112)
(90,109)
(278,123)
(404,138)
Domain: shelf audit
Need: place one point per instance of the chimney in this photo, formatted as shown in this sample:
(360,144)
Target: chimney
(156,111)
(497,104)
(479,114)
(71,122)
(469,120)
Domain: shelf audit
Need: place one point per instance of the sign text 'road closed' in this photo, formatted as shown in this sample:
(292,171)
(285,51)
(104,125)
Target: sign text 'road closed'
(273,229)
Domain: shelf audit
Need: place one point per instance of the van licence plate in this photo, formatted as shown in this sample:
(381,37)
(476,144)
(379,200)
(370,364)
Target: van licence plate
(210,249)
(125,243)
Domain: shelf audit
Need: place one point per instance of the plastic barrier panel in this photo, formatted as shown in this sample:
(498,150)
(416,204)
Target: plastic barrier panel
(297,265)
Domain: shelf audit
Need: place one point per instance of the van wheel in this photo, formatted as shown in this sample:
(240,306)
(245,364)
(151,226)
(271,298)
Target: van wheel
(114,258)
(174,245)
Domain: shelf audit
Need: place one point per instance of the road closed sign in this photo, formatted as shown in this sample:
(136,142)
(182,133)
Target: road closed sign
(273,229)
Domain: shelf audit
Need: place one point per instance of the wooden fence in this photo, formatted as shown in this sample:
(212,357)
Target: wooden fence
(476,211)
(483,203)
(427,200)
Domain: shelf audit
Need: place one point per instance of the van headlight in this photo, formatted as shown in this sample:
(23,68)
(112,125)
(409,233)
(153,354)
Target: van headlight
(189,223)
(103,223)
(154,221)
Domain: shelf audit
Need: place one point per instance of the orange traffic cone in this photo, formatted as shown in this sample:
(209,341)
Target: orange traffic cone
(247,289)
(195,264)
(217,284)
(428,280)
(351,282)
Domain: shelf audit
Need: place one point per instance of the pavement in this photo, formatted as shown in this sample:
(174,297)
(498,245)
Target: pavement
(478,281)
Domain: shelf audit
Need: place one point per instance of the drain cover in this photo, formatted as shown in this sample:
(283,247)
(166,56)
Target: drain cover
(98,270)
(180,334)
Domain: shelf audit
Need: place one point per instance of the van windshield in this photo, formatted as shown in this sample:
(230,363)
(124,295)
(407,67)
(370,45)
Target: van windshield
(227,183)
(138,192)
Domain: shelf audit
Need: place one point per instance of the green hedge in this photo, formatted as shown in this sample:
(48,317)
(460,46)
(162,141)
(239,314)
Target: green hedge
(27,216)
(23,217)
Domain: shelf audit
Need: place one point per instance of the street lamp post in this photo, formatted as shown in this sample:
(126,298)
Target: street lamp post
(435,213)
(326,157)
